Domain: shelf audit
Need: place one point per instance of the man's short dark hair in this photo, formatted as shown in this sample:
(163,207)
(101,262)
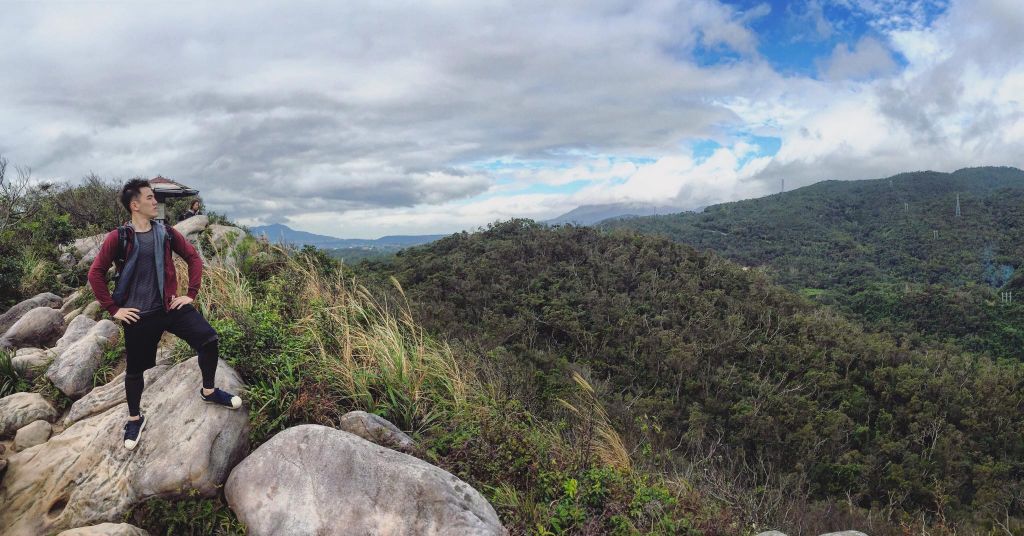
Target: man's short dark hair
(131,192)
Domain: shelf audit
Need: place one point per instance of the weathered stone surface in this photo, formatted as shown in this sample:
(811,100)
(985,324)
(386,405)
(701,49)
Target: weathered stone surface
(845,533)
(107,396)
(376,429)
(106,529)
(13,314)
(71,299)
(84,475)
(39,328)
(225,239)
(93,310)
(19,409)
(73,314)
(85,250)
(193,225)
(31,362)
(72,371)
(772,533)
(32,434)
(77,329)
(312,479)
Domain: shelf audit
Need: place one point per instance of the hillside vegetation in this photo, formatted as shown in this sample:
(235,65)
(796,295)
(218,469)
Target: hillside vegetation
(890,251)
(715,363)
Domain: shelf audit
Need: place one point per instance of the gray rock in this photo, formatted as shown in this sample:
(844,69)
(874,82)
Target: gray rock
(376,429)
(106,529)
(31,362)
(772,533)
(845,533)
(77,329)
(13,314)
(32,434)
(193,225)
(84,249)
(19,409)
(71,299)
(73,314)
(92,310)
(225,239)
(40,328)
(107,396)
(312,479)
(72,371)
(84,475)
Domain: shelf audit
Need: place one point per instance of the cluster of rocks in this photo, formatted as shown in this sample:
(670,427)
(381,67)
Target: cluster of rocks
(68,473)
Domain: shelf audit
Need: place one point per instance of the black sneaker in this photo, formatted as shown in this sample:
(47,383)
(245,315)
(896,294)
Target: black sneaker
(221,398)
(133,432)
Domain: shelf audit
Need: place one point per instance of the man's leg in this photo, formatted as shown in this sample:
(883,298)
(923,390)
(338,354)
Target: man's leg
(189,324)
(140,343)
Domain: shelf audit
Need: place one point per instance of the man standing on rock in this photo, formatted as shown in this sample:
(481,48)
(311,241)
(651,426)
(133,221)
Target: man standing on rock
(146,303)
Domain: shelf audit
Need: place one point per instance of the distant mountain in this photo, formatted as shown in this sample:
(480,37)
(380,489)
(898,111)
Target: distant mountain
(592,214)
(282,233)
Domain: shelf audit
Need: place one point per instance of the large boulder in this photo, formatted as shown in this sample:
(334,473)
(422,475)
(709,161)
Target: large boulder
(19,409)
(32,434)
(225,240)
(93,310)
(312,479)
(376,429)
(72,371)
(193,225)
(31,362)
(111,394)
(13,314)
(106,529)
(83,249)
(38,328)
(71,300)
(84,475)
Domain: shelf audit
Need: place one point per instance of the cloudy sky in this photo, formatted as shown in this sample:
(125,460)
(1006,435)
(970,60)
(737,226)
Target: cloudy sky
(364,119)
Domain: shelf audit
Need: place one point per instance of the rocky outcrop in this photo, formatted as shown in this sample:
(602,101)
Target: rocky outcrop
(225,240)
(312,479)
(84,475)
(15,313)
(32,434)
(31,362)
(39,328)
(72,371)
(71,300)
(93,310)
(106,529)
(19,409)
(111,394)
(376,429)
(193,225)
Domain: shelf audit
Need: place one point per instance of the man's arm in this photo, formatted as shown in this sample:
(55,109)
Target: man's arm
(98,273)
(181,246)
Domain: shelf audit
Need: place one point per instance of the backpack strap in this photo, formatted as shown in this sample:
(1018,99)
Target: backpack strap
(122,247)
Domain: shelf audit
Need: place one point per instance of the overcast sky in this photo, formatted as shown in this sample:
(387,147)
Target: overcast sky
(358,120)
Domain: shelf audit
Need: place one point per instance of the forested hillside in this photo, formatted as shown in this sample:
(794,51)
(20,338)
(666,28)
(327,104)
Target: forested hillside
(891,251)
(711,359)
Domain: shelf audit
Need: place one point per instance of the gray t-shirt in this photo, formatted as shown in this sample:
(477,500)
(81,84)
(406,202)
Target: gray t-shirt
(143,293)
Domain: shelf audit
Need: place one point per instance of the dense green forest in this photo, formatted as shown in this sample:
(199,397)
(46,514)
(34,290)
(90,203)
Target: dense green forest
(892,252)
(696,354)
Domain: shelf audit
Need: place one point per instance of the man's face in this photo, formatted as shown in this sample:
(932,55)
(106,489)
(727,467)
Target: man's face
(146,204)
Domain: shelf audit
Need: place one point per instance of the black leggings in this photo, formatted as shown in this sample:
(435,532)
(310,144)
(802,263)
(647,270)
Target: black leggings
(141,340)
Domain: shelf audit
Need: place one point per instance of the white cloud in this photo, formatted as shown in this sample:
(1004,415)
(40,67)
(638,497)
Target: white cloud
(866,60)
(364,119)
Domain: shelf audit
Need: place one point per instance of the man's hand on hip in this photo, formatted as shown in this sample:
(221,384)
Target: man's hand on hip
(179,301)
(128,315)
